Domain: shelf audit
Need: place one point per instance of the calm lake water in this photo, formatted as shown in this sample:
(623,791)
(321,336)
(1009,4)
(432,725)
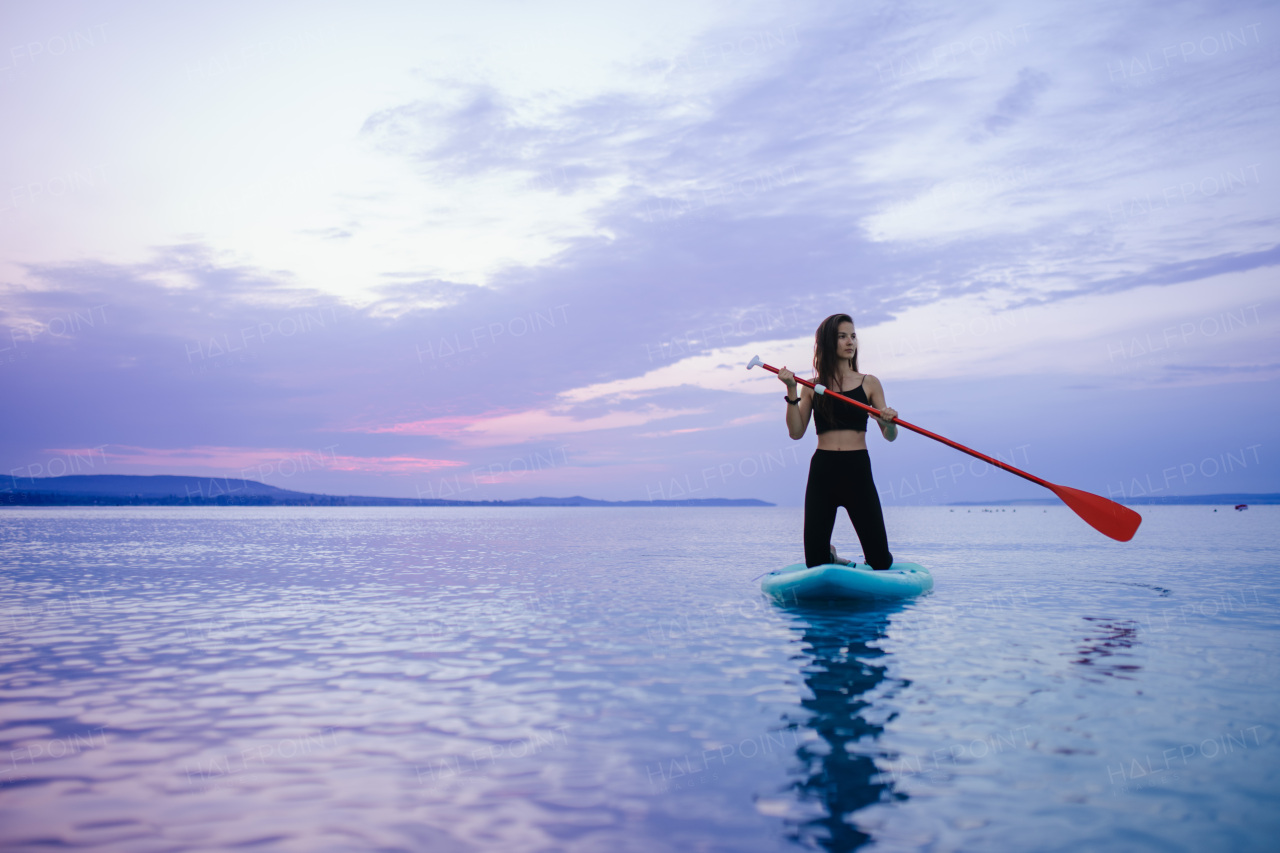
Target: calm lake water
(529,679)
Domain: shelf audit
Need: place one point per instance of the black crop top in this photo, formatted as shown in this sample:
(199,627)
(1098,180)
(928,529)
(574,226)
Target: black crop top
(844,415)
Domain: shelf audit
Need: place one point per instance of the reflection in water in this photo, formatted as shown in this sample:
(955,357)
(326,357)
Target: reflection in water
(837,771)
(1109,638)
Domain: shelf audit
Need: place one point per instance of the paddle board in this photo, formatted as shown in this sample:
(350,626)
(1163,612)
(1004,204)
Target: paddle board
(857,582)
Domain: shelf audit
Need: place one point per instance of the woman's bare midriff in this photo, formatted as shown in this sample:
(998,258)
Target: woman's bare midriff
(843,439)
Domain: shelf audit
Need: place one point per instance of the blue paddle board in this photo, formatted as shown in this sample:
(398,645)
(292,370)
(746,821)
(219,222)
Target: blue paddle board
(858,582)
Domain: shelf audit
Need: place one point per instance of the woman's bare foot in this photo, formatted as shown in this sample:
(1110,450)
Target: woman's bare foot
(835,559)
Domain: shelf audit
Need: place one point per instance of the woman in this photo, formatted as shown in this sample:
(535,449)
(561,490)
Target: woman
(840,471)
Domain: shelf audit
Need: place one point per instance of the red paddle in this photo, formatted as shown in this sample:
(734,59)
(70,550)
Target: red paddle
(1106,516)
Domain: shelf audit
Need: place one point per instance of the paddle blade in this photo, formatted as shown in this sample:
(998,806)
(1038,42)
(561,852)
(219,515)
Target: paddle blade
(1105,516)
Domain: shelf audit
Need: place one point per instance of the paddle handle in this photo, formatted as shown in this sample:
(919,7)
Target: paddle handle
(984,457)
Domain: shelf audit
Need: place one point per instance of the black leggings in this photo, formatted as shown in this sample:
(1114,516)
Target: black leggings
(842,478)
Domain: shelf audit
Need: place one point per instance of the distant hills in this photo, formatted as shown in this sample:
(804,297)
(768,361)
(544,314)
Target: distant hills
(167,490)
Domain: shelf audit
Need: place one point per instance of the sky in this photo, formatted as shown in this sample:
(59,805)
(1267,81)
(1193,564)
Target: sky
(497,250)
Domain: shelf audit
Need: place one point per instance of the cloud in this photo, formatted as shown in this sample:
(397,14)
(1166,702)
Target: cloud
(1018,102)
(329,233)
(530,425)
(722,369)
(1168,274)
(762,417)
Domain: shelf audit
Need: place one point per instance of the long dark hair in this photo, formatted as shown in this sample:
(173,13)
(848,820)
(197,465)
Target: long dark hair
(826,359)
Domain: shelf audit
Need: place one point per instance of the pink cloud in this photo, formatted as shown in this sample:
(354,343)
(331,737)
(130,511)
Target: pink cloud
(532,424)
(392,464)
(449,427)
(747,419)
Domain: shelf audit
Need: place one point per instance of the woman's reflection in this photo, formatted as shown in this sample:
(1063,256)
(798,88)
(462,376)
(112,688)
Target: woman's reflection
(842,669)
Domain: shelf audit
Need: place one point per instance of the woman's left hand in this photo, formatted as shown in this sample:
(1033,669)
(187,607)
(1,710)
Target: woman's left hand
(887,415)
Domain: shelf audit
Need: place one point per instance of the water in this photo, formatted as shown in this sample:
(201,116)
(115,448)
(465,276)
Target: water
(611,680)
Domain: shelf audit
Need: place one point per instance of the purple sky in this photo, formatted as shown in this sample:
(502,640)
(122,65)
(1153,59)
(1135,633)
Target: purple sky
(501,250)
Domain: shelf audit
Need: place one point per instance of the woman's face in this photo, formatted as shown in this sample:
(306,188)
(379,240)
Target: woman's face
(846,340)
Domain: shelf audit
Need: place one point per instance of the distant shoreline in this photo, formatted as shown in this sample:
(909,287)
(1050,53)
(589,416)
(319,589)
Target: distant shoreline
(49,499)
(171,490)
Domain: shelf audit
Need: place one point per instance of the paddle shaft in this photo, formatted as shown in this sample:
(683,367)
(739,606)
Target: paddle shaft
(984,457)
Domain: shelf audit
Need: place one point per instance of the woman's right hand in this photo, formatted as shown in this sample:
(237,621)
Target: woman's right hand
(787,377)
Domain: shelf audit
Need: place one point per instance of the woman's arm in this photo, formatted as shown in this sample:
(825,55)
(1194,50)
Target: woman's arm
(876,395)
(797,413)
